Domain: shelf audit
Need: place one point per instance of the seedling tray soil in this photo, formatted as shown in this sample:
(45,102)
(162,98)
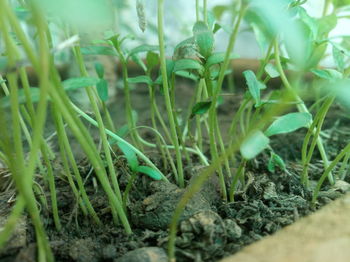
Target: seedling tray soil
(209,230)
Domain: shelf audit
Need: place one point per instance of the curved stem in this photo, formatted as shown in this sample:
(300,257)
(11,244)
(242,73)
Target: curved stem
(301,107)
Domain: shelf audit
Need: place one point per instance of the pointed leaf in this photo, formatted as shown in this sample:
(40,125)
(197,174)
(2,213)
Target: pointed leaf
(142,48)
(254,144)
(102,90)
(130,156)
(218,58)
(200,108)
(100,71)
(328,74)
(140,79)
(152,60)
(254,86)
(204,38)
(152,173)
(98,50)
(271,70)
(289,123)
(187,64)
(79,82)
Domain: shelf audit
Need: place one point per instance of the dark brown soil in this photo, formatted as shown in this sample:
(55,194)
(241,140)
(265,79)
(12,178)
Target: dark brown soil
(209,228)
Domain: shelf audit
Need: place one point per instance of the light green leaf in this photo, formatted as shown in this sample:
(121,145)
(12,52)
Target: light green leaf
(289,123)
(152,60)
(275,160)
(254,144)
(152,173)
(102,90)
(143,48)
(271,70)
(254,86)
(328,74)
(218,58)
(140,79)
(130,156)
(79,82)
(187,64)
(98,50)
(204,38)
(339,58)
(100,71)
(187,74)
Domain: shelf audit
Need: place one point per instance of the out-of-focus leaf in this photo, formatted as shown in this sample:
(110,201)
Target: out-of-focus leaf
(187,74)
(204,38)
(328,74)
(254,144)
(217,58)
(152,60)
(289,123)
(99,70)
(187,64)
(98,50)
(102,90)
(79,82)
(271,70)
(130,156)
(140,79)
(143,48)
(152,173)
(254,86)
(339,58)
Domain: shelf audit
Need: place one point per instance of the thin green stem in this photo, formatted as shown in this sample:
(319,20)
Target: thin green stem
(169,108)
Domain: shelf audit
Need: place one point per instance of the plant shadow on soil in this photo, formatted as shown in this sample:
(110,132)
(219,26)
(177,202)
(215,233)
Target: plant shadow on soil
(209,228)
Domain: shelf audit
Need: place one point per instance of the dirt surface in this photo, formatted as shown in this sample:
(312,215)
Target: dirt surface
(209,230)
(320,237)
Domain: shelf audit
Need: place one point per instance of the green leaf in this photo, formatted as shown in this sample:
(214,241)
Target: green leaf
(339,58)
(271,70)
(210,19)
(98,50)
(152,173)
(254,86)
(218,58)
(187,64)
(143,48)
(200,108)
(34,95)
(254,144)
(100,71)
(204,38)
(341,90)
(328,74)
(140,79)
(79,82)
(152,60)
(123,131)
(289,123)
(275,160)
(139,61)
(102,90)
(187,74)
(130,156)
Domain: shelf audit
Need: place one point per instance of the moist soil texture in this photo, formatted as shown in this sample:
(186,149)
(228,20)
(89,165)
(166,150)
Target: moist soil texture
(209,228)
